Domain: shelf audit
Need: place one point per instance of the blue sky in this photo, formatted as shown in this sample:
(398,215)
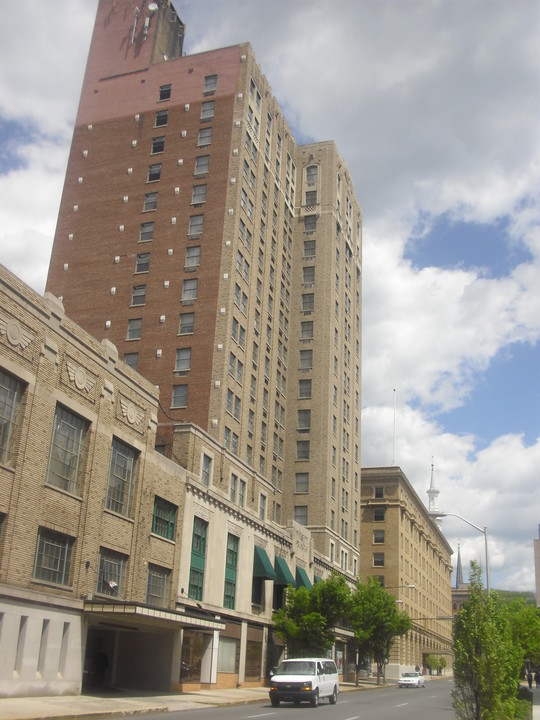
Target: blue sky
(434,107)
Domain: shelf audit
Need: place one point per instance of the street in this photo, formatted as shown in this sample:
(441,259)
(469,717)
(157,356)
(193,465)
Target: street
(433,701)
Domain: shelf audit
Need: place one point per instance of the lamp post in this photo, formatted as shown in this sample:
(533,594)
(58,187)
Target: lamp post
(436,514)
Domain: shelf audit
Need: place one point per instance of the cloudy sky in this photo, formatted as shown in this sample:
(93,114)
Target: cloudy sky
(435,106)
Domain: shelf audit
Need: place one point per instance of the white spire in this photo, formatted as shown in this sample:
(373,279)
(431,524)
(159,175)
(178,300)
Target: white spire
(433,493)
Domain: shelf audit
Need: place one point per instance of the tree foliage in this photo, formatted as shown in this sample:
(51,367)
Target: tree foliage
(525,623)
(376,622)
(486,659)
(307,621)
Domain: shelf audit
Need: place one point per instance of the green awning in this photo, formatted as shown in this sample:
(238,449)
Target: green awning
(262,567)
(316,579)
(302,579)
(283,574)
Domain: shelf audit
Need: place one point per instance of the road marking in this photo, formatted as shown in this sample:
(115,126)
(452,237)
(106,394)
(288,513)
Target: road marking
(402,705)
(260,715)
(355,717)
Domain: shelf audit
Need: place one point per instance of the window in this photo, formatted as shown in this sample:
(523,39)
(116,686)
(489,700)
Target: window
(143,261)
(262,507)
(311,198)
(233,487)
(206,471)
(131,359)
(205,137)
(210,83)
(308,302)
(202,164)
(304,389)
(207,110)
(196,223)
(66,457)
(134,329)
(11,391)
(164,518)
(301,482)
(187,321)
(378,537)
(311,174)
(231,565)
(378,492)
(309,248)
(378,559)
(162,118)
(304,420)
(138,295)
(121,481)
(199,194)
(189,290)
(300,514)
(165,92)
(198,557)
(308,275)
(158,144)
(310,224)
(306,330)
(302,450)
(242,493)
(150,202)
(111,573)
(183,360)
(193,256)
(157,586)
(146,232)
(154,172)
(179,396)
(306,359)
(52,561)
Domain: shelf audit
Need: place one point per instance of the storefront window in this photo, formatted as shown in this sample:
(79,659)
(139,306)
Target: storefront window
(192,652)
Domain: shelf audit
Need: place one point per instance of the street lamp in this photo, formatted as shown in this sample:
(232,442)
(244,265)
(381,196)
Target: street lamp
(436,514)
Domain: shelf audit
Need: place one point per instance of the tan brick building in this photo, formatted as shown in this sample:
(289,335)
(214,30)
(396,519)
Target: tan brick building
(404,547)
(108,549)
(223,260)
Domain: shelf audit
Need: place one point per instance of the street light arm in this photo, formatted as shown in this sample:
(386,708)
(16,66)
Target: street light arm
(437,514)
(447,514)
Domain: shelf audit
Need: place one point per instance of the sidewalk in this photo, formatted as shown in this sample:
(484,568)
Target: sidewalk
(130,702)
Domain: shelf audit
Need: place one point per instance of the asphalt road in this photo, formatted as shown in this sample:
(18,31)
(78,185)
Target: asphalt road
(434,702)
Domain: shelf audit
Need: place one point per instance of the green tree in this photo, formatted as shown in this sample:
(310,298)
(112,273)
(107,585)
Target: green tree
(525,622)
(376,622)
(486,659)
(432,662)
(308,620)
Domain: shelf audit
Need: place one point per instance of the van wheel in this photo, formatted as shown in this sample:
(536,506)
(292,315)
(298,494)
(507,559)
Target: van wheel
(333,696)
(315,699)
(275,702)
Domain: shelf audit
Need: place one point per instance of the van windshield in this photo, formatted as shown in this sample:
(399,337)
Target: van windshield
(296,667)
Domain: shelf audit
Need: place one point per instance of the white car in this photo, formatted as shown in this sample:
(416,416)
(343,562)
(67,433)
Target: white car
(412,679)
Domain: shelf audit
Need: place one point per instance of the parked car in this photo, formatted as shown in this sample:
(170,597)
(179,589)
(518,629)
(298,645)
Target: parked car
(412,679)
(305,680)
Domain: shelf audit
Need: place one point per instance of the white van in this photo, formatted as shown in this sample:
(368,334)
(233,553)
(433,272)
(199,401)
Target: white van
(304,680)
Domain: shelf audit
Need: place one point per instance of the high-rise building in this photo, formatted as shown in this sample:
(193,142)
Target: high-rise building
(222,259)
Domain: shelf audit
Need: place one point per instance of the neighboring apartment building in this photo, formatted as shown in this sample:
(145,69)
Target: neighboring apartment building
(404,547)
(118,565)
(222,260)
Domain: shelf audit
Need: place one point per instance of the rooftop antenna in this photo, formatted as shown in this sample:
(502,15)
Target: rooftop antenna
(394,460)
(137,13)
